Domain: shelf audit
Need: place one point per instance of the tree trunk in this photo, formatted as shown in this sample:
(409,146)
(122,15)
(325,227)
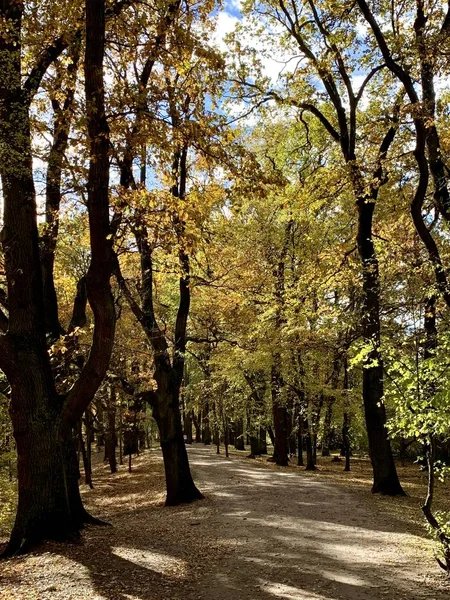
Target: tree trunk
(166,412)
(188,426)
(89,426)
(86,462)
(385,478)
(279,417)
(49,505)
(310,463)
(120,432)
(346,441)
(111,436)
(198,428)
(239,435)
(327,427)
(226,433)
(291,433)
(300,461)
(206,429)
(263,439)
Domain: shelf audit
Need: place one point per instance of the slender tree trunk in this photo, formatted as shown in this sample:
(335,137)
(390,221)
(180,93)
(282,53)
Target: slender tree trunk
(188,426)
(300,461)
(291,431)
(310,463)
(385,478)
(197,425)
(279,416)
(206,429)
(111,436)
(89,427)
(86,462)
(239,435)
(120,432)
(346,441)
(327,427)
(263,439)
(226,433)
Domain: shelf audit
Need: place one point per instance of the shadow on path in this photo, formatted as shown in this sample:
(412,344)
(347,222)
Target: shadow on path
(261,534)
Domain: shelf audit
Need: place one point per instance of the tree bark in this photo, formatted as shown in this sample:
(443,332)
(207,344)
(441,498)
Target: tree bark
(300,461)
(385,478)
(281,450)
(206,429)
(111,436)
(239,435)
(180,486)
(188,426)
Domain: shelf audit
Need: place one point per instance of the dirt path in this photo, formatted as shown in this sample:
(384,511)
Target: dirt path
(262,534)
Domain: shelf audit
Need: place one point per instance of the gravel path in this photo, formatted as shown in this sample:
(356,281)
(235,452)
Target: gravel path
(301,539)
(263,533)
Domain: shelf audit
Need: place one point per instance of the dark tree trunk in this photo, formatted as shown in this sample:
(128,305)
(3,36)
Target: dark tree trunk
(111,436)
(226,433)
(291,432)
(120,434)
(50,505)
(197,425)
(206,429)
(279,416)
(327,427)
(310,462)
(62,121)
(188,426)
(330,400)
(89,426)
(346,441)
(263,439)
(239,435)
(86,457)
(254,447)
(385,478)
(300,462)
(165,403)
(258,445)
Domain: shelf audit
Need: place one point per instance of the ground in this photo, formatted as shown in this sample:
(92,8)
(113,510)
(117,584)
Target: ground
(263,532)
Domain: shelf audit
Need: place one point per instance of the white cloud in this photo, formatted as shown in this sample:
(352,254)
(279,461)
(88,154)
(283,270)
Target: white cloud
(226,24)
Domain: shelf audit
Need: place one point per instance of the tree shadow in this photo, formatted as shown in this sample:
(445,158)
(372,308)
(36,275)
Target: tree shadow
(261,533)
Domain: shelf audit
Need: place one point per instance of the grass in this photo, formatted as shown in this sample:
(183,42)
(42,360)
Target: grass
(8,500)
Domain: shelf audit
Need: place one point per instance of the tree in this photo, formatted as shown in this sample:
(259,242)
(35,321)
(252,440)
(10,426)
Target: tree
(323,36)
(49,502)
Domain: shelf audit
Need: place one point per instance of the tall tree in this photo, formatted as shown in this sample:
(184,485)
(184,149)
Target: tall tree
(323,37)
(49,504)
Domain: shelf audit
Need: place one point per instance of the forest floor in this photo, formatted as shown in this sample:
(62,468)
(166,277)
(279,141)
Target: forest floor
(262,533)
